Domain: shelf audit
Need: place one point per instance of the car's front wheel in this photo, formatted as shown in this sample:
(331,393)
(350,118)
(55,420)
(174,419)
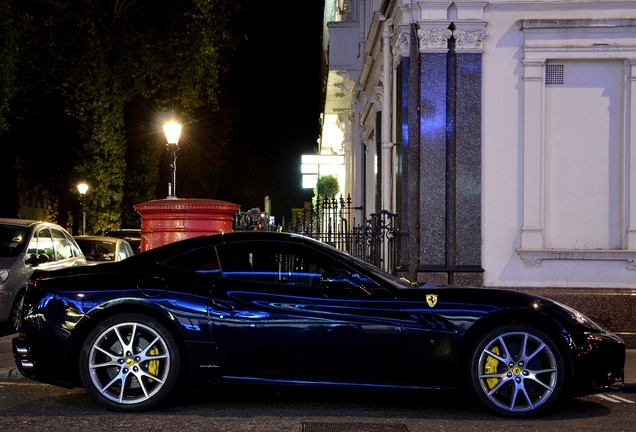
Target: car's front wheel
(13,323)
(517,371)
(129,362)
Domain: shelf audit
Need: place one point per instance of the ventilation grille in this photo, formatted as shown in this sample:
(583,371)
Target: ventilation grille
(554,74)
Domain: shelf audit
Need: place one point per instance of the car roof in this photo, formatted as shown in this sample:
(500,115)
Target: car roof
(171,249)
(24,222)
(98,238)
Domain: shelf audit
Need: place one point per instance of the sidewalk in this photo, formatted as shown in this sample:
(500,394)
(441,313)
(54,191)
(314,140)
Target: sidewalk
(8,369)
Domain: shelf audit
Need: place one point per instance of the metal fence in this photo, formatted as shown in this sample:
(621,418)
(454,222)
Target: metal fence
(374,240)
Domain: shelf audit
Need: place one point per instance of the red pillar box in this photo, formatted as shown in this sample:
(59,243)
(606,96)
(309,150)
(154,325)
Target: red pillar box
(169,220)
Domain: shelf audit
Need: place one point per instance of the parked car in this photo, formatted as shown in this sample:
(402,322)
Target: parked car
(267,307)
(131,235)
(24,246)
(102,249)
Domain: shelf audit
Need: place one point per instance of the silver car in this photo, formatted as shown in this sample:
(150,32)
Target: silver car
(24,246)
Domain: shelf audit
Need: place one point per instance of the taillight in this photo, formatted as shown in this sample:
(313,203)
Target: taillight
(30,284)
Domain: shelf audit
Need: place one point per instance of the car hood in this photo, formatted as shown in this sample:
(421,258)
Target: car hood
(434,300)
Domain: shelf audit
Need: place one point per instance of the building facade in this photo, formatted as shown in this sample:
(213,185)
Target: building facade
(503,133)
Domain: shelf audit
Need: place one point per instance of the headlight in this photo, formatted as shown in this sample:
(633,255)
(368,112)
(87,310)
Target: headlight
(4,275)
(580,318)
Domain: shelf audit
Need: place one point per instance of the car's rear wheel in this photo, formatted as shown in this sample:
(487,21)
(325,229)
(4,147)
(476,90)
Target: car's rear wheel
(129,362)
(517,371)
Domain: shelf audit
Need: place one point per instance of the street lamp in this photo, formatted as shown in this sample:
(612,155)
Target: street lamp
(83,188)
(172,131)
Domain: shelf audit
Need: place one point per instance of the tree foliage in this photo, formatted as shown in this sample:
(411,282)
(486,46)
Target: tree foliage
(81,62)
(8,61)
(327,186)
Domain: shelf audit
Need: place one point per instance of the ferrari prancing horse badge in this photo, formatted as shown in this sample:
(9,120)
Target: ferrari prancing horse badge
(431,299)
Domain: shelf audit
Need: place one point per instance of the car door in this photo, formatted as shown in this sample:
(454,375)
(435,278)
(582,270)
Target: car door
(289,311)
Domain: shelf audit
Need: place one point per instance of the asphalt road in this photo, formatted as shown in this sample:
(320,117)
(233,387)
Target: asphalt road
(28,406)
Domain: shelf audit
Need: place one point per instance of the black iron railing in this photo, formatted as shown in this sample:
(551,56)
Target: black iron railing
(375,240)
(331,221)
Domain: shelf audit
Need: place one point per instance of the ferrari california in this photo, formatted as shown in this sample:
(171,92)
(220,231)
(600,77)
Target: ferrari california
(276,308)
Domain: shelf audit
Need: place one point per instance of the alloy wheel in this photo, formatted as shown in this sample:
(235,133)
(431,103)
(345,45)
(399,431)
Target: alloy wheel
(518,372)
(129,363)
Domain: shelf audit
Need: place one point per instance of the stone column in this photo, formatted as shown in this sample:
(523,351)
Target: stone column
(433,47)
(631,224)
(465,231)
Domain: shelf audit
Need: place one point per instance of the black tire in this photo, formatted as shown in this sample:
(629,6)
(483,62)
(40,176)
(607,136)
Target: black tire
(129,374)
(517,371)
(12,324)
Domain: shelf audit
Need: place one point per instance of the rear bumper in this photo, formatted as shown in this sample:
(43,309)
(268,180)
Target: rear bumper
(28,366)
(23,358)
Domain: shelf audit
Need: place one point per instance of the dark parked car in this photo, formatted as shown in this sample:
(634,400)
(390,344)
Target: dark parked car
(264,307)
(24,246)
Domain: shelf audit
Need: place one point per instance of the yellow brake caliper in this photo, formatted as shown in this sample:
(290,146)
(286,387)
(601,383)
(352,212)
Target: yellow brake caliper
(491,368)
(153,365)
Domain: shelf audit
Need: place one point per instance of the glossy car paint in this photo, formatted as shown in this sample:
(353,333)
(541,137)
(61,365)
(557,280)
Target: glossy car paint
(386,335)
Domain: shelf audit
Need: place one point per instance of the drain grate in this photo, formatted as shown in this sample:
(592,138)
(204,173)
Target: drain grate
(354,427)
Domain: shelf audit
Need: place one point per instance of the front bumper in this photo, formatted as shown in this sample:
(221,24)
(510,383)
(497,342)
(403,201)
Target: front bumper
(598,362)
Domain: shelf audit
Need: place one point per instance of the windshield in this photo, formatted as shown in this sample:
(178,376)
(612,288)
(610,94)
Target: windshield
(12,240)
(97,250)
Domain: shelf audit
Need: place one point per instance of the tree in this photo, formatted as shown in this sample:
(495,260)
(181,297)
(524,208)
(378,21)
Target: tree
(8,61)
(327,186)
(83,62)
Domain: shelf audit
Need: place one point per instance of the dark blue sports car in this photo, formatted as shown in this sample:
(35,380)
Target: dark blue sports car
(259,307)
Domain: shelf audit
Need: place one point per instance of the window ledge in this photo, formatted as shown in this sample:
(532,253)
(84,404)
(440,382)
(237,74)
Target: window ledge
(533,258)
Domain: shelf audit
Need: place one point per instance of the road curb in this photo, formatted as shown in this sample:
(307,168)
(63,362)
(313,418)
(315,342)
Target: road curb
(10,374)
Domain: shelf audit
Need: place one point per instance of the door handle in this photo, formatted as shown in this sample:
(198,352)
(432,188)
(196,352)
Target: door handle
(219,305)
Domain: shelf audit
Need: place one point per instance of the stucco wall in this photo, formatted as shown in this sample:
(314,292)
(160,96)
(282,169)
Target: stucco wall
(503,154)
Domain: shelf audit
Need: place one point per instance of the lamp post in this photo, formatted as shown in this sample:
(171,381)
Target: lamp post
(83,188)
(172,131)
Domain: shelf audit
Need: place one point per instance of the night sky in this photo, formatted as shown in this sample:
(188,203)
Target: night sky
(276,80)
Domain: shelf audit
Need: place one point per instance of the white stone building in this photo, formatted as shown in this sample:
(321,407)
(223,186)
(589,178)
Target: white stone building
(503,133)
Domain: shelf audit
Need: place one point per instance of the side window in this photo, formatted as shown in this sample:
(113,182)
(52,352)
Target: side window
(41,245)
(201,261)
(63,246)
(277,263)
(75,250)
(125,251)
